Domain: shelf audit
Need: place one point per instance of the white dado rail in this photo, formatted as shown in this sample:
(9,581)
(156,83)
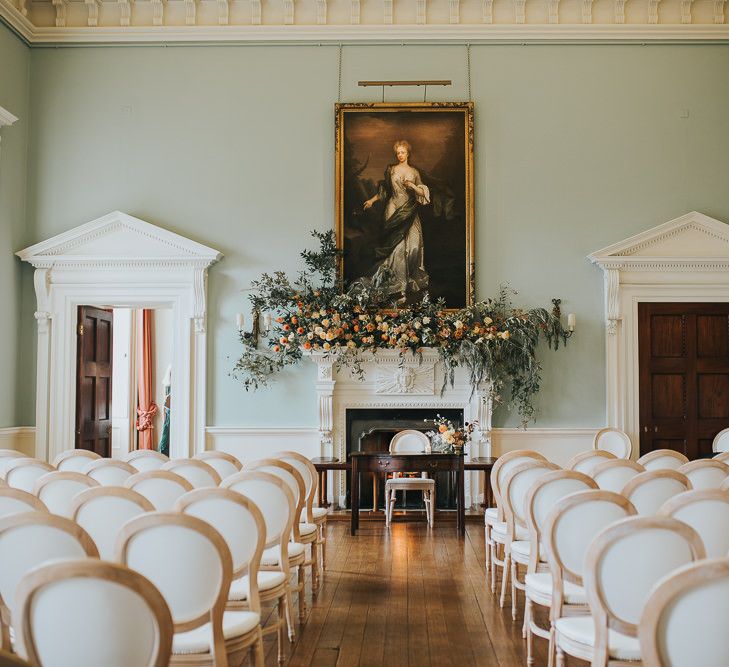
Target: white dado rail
(390,381)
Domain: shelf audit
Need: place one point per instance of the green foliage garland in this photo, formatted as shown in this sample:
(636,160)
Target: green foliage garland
(494,340)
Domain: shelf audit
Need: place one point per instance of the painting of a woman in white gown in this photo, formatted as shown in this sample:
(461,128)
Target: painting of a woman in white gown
(405,213)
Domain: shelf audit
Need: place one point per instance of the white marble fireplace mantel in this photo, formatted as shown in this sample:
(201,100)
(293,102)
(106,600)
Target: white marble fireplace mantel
(394,381)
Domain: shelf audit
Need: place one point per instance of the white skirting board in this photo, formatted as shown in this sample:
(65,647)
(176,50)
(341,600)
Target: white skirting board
(20,438)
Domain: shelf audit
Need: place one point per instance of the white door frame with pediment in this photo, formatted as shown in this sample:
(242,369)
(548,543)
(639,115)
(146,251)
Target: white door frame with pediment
(121,261)
(683,260)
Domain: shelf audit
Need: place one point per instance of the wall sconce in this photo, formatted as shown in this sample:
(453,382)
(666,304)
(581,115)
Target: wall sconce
(251,337)
(571,318)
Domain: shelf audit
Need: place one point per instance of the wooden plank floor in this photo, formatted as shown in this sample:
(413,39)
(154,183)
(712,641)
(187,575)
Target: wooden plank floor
(406,596)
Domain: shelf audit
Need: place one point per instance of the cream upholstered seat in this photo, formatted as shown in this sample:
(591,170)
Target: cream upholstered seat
(707,512)
(15,501)
(161,487)
(409,441)
(74,460)
(684,619)
(28,540)
(721,441)
(515,487)
(495,533)
(198,473)
(705,474)
(614,475)
(205,634)
(146,459)
(662,459)
(22,473)
(224,464)
(617,594)
(615,441)
(57,489)
(541,497)
(586,462)
(649,490)
(103,510)
(88,613)
(110,472)
(276,501)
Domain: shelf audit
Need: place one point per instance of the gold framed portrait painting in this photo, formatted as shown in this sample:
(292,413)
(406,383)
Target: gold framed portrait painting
(404,199)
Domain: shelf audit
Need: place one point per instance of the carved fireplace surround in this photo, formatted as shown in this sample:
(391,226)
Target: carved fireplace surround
(391,381)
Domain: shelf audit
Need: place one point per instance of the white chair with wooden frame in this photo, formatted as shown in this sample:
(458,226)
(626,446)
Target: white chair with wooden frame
(57,489)
(649,490)
(74,460)
(615,441)
(297,548)
(103,510)
(88,613)
(172,549)
(276,501)
(684,619)
(15,501)
(495,530)
(707,512)
(614,475)
(706,473)
(110,472)
(198,473)
(586,462)
(722,456)
(517,550)
(541,498)
(241,524)
(6,457)
(569,528)
(312,514)
(23,473)
(662,459)
(161,487)
(28,540)
(721,441)
(145,459)
(409,441)
(654,546)
(224,464)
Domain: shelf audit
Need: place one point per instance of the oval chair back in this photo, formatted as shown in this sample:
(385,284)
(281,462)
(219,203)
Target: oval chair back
(615,441)
(146,459)
(74,460)
(310,476)
(88,613)
(586,462)
(721,441)
(223,463)
(662,459)
(198,473)
(103,510)
(503,466)
(707,512)
(161,487)
(110,472)
(515,489)
(705,474)
(648,491)
(15,501)
(23,473)
(293,479)
(6,458)
(614,475)
(57,489)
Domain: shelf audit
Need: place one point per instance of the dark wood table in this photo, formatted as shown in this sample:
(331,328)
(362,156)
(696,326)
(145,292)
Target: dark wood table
(384,462)
(483,464)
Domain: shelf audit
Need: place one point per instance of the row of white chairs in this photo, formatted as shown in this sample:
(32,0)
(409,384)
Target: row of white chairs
(618,443)
(103,510)
(535,498)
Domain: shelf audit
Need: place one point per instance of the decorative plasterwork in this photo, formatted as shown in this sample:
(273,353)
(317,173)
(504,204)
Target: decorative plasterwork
(686,259)
(118,260)
(320,21)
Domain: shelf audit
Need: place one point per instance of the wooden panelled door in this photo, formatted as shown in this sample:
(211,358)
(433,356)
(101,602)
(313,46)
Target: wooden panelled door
(684,375)
(93,380)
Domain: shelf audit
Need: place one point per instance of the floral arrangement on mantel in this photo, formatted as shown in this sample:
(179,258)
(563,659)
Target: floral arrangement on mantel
(494,340)
(448,437)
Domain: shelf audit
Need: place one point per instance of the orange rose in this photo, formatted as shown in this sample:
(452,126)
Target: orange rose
(307,345)
(286,327)
(279,319)
(442,428)
(276,348)
(294,319)
(300,330)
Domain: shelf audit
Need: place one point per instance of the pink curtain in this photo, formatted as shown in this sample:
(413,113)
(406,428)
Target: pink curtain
(146,407)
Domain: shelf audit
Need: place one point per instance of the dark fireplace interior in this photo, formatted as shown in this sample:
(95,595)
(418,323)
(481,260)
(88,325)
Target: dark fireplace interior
(372,429)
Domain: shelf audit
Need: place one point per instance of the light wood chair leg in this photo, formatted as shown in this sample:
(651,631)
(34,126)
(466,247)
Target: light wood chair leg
(514,572)
(432,508)
(323,544)
(387,507)
(550,656)
(487,550)
(561,662)
(290,614)
(504,578)
(493,566)
(280,631)
(528,631)
(258,659)
(314,568)
(301,584)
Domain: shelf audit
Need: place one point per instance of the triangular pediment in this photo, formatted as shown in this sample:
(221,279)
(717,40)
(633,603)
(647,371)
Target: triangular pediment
(693,236)
(118,237)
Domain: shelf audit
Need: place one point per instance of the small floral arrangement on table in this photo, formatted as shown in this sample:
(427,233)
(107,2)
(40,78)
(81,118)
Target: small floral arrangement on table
(449,438)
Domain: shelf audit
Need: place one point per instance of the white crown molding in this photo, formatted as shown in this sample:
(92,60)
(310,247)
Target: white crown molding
(355,32)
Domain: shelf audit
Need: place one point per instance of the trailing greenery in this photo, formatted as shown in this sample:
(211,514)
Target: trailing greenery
(496,341)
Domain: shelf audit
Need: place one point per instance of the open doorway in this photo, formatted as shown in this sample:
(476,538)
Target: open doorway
(124,362)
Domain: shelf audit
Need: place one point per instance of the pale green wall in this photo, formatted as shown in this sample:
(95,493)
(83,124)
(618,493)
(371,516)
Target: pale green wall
(576,147)
(14,91)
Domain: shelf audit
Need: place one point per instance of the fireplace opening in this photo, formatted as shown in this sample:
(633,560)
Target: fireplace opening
(372,429)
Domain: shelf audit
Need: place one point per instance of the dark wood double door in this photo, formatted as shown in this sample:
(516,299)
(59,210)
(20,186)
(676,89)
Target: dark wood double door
(684,375)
